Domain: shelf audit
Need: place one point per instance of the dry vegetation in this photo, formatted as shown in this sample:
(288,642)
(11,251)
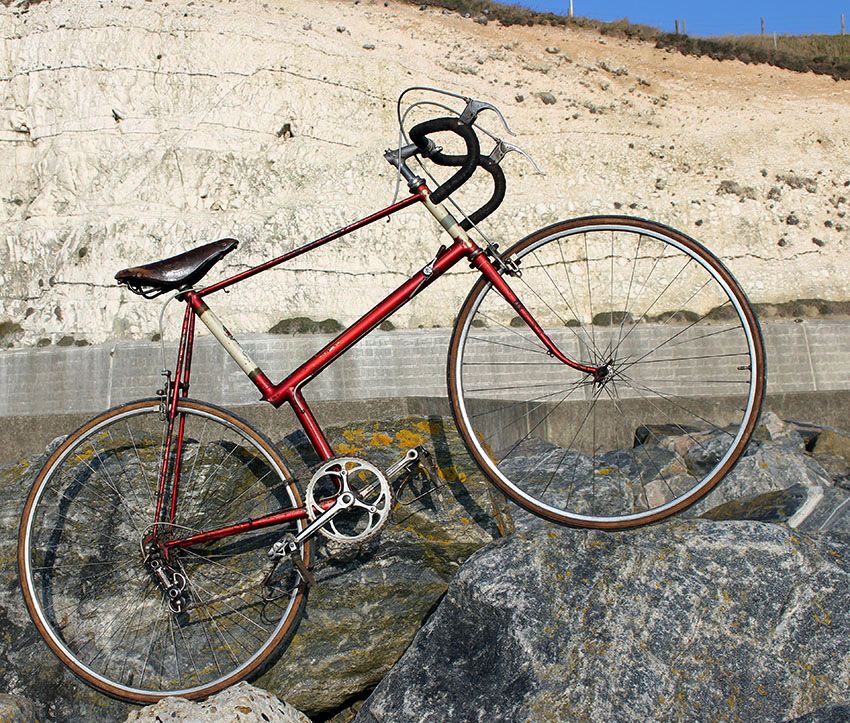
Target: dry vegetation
(823,54)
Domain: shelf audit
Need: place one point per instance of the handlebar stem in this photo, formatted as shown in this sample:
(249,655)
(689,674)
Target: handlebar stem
(397,159)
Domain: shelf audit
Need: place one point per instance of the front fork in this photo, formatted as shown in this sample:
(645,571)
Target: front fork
(479,259)
(482,262)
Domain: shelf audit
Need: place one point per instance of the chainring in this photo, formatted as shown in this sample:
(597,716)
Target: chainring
(373,499)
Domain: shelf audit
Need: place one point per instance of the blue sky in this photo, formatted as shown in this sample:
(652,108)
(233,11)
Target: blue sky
(717,17)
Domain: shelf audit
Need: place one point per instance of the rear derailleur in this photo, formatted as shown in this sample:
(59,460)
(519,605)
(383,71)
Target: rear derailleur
(171,581)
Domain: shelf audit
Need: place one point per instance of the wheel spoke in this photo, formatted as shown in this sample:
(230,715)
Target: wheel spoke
(92,585)
(682,358)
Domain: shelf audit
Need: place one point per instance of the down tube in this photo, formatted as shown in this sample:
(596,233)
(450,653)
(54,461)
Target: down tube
(287,390)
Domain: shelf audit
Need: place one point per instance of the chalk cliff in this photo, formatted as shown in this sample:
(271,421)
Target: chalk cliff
(132,131)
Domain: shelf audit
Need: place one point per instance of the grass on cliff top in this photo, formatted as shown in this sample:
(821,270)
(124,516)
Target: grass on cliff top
(823,54)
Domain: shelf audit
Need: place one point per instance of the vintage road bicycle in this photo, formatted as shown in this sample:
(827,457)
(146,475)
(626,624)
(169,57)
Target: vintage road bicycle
(603,372)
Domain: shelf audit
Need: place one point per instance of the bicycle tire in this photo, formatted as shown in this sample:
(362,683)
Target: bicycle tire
(97,604)
(680,402)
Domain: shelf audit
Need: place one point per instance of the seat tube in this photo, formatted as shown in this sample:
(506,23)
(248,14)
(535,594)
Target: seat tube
(310,424)
(181,386)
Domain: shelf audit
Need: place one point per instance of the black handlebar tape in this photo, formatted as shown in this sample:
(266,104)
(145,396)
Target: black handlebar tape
(469,161)
(495,170)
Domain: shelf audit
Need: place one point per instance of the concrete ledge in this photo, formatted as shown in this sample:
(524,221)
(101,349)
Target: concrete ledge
(48,392)
(803,356)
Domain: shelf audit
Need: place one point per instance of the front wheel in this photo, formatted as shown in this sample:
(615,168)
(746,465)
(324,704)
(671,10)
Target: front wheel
(104,604)
(682,393)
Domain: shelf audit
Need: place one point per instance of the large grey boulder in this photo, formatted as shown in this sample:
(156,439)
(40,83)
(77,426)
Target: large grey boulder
(689,620)
(768,466)
(799,476)
(838,713)
(808,509)
(15,709)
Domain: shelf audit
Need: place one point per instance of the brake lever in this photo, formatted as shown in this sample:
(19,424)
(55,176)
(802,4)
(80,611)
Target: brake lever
(474,107)
(503,148)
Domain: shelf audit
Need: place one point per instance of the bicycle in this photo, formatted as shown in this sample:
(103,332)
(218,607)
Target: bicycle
(620,390)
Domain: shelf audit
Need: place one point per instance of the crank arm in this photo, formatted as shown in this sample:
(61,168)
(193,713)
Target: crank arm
(343,502)
(403,464)
(290,543)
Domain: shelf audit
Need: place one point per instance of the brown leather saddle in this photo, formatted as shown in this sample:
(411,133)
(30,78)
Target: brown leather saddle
(177,273)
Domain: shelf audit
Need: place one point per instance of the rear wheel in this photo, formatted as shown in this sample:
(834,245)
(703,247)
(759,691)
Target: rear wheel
(99,599)
(684,385)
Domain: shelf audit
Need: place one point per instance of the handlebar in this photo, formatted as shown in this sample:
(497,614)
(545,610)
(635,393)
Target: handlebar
(467,162)
(499,186)
(463,125)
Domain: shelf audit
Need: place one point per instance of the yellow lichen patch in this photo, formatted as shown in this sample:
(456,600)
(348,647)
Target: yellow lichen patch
(409,439)
(379,439)
(465,521)
(353,435)
(732,701)
(84,456)
(451,474)
(424,426)
(604,470)
(761,690)
(347,448)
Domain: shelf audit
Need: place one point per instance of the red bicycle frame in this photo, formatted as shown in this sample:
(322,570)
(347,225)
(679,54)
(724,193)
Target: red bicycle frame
(289,390)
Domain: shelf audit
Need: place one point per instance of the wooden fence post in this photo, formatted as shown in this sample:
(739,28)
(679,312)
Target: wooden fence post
(677,27)
(842,25)
(762,24)
(685,27)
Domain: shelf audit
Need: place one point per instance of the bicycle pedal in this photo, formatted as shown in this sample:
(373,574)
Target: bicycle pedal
(287,547)
(427,465)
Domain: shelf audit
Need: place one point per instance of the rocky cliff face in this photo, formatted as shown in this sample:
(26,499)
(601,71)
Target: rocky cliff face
(133,131)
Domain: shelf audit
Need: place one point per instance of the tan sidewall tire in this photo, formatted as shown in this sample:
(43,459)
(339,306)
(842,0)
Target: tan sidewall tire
(639,224)
(287,629)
